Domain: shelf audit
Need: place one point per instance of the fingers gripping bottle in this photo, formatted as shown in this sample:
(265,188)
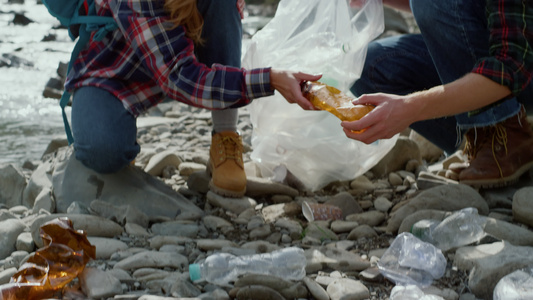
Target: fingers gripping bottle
(223,268)
(330,99)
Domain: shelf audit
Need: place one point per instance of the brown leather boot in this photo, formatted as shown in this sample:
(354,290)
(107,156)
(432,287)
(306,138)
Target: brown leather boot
(499,154)
(226,166)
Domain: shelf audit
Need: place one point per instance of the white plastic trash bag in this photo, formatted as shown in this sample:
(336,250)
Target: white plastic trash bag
(321,37)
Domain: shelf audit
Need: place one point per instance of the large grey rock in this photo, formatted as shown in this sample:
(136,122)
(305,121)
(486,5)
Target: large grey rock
(522,206)
(131,186)
(371,218)
(362,184)
(25,242)
(336,259)
(500,229)
(444,197)
(315,289)
(175,228)
(423,214)
(91,225)
(345,288)
(44,201)
(6,274)
(428,151)
(40,179)
(12,185)
(159,161)
(346,202)
(98,284)
(9,231)
(236,205)
(489,263)
(105,247)
(257,187)
(153,259)
(121,214)
(403,151)
(516,235)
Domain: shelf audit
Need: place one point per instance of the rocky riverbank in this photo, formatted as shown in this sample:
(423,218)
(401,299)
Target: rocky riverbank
(153,219)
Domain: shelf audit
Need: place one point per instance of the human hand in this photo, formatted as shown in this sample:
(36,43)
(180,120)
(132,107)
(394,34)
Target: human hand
(391,115)
(288,84)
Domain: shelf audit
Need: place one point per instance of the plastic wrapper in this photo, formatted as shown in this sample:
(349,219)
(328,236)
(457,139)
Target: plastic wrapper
(320,37)
(410,261)
(517,285)
(62,258)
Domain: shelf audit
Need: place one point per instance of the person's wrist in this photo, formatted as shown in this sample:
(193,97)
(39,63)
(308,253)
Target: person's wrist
(273,78)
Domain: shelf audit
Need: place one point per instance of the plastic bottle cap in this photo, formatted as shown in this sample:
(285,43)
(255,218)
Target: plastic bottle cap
(194,272)
(416,231)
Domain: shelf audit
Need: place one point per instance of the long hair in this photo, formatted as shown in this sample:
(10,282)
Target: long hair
(185,13)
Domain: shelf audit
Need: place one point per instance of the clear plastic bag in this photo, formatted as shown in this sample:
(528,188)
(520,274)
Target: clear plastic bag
(313,36)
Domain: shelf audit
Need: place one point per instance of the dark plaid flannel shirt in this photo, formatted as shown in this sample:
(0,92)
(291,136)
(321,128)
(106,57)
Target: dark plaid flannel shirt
(511,40)
(144,61)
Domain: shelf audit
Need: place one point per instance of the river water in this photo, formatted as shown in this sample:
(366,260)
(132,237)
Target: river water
(29,121)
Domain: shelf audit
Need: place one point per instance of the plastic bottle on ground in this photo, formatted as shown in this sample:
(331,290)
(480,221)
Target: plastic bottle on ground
(462,228)
(423,230)
(411,261)
(223,268)
(517,285)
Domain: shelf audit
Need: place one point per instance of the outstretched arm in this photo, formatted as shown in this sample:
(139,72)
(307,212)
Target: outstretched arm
(394,113)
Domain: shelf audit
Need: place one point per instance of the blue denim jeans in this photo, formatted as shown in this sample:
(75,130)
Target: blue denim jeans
(453,37)
(105,133)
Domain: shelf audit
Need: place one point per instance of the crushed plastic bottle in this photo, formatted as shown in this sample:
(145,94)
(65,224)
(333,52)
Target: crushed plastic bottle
(423,230)
(411,292)
(329,98)
(410,261)
(223,268)
(517,285)
(62,258)
(462,228)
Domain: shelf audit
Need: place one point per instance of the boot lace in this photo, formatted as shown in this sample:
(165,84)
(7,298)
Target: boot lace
(229,147)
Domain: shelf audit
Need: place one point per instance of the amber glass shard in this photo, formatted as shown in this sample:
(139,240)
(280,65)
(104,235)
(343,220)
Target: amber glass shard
(62,258)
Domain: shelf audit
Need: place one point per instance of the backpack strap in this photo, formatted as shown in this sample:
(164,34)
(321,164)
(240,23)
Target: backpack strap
(88,23)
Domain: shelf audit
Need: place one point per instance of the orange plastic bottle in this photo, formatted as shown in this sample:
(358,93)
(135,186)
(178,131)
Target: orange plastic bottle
(330,99)
(62,258)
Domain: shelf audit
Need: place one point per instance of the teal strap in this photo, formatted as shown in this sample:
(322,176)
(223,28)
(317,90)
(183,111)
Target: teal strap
(80,44)
(63,103)
(92,19)
(102,25)
(102,28)
(92,22)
